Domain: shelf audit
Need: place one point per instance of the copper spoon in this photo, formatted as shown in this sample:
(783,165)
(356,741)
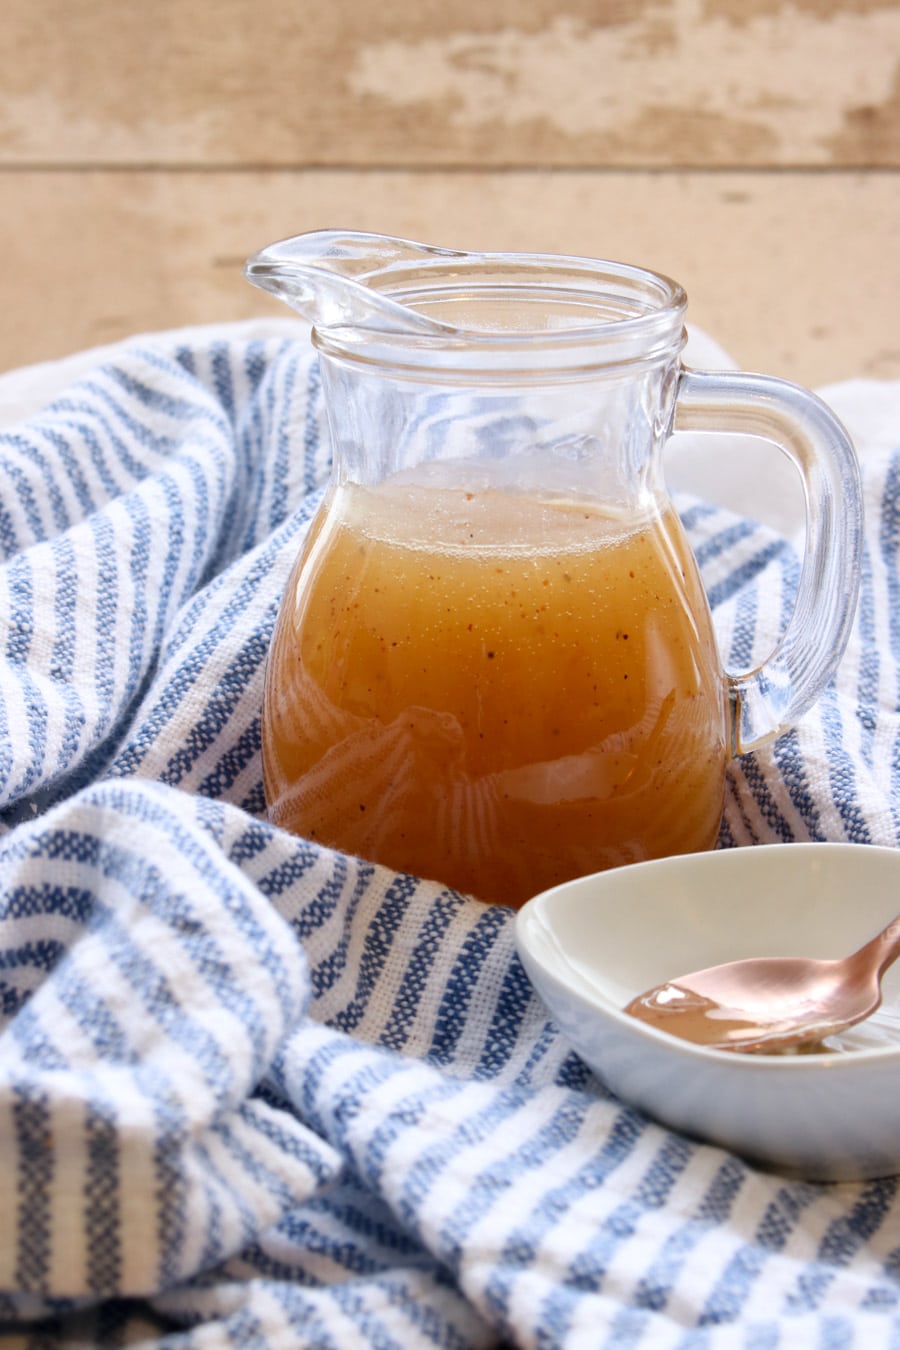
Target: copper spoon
(770,1004)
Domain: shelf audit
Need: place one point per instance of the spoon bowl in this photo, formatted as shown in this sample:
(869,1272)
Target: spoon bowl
(768,1004)
(591,946)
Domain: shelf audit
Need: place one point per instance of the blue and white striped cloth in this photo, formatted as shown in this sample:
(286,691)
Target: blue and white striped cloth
(256,1093)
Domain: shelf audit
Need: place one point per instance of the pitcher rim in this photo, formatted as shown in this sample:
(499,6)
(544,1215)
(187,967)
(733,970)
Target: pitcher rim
(656,302)
(386,309)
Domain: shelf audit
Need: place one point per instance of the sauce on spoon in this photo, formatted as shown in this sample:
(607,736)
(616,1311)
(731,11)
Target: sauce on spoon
(692,1017)
(772,1004)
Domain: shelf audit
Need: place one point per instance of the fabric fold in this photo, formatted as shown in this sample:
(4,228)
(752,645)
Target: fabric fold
(145,988)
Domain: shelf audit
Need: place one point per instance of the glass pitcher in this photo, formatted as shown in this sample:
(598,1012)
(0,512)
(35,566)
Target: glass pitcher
(494,663)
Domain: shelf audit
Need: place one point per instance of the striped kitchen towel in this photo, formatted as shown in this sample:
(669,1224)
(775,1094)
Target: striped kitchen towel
(257,1093)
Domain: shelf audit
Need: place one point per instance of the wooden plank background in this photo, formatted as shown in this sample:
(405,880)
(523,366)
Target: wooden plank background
(749,147)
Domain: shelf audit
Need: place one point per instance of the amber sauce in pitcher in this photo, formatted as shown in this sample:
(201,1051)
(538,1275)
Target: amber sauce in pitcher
(494,689)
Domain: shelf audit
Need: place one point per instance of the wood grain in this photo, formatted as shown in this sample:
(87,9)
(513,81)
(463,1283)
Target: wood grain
(749,147)
(589,83)
(106,254)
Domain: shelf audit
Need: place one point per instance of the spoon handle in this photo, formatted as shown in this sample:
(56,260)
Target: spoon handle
(881,951)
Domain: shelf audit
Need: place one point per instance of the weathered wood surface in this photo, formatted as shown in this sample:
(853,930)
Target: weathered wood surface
(749,147)
(775,266)
(515,82)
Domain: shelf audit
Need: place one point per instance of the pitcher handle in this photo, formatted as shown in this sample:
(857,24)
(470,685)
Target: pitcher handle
(767,700)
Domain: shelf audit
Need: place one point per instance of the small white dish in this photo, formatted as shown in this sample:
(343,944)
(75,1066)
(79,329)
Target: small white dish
(591,945)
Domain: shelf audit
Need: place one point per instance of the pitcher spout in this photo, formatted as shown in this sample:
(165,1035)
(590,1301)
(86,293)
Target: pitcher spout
(329,277)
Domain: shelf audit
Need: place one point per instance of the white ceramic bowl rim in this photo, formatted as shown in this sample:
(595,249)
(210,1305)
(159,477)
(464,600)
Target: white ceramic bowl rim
(845,1062)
